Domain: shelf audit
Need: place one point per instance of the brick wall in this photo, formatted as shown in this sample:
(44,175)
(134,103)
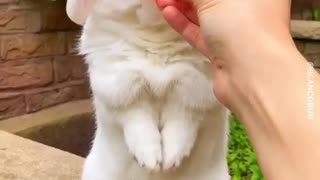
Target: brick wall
(38,64)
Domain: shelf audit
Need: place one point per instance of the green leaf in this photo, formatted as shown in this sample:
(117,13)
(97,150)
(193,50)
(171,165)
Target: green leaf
(236,178)
(242,159)
(255,177)
(232,157)
(316,14)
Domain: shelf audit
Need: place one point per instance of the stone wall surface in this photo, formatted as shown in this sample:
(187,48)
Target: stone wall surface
(307,39)
(39,67)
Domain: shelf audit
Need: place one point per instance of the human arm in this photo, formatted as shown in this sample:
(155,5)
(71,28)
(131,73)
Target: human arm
(260,75)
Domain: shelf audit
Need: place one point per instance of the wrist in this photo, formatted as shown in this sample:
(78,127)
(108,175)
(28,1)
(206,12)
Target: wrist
(279,124)
(274,108)
(276,71)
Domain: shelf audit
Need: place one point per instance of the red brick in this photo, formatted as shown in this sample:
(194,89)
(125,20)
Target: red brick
(7,1)
(23,4)
(32,45)
(12,106)
(57,95)
(54,17)
(22,74)
(19,21)
(69,68)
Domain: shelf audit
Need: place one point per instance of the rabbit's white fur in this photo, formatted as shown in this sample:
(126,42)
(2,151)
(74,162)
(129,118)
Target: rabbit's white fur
(157,118)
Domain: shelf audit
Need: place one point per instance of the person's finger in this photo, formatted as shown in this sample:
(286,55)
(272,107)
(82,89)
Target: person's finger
(190,31)
(184,6)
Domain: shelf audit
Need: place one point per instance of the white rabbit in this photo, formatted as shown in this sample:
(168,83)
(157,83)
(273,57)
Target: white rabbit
(157,117)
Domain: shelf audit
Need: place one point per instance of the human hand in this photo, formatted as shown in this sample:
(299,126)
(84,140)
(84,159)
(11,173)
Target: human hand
(223,20)
(183,17)
(229,32)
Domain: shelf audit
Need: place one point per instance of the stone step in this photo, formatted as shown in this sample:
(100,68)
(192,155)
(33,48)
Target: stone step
(23,159)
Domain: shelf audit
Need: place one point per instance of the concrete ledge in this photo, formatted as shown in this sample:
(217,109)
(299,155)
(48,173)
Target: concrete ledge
(47,116)
(305,29)
(27,160)
(69,127)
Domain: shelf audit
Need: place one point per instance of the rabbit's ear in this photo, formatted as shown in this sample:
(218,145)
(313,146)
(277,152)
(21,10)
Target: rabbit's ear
(79,10)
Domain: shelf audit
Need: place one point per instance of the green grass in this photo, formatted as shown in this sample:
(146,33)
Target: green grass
(242,159)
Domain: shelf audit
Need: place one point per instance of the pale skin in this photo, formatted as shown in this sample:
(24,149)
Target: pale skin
(259,75)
